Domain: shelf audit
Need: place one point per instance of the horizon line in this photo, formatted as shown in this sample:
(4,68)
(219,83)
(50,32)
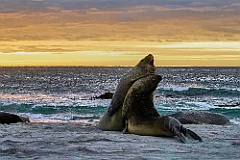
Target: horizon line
(122,66)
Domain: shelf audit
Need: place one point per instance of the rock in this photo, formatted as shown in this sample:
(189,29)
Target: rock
(7,118)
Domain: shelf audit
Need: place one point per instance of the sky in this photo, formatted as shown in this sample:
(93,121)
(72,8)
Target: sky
(119,32)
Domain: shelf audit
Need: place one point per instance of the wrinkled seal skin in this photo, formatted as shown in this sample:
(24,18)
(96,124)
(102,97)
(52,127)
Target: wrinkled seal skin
(112,120)
(143,119)
(199,117)
(7,118)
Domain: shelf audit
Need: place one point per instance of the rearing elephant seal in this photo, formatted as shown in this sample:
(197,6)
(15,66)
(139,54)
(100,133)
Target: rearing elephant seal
(112,119)
(143,119)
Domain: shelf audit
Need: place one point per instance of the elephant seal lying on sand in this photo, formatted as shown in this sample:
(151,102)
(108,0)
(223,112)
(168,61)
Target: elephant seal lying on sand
(143,119)
(7,118)
(113,119)
(199,117)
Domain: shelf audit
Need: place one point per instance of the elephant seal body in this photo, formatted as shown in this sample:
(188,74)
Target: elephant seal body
(143,119)
(113,119)
(198,117)
(7,118)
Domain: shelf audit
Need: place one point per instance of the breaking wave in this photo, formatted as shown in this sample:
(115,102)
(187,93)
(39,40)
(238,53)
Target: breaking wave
(185,91)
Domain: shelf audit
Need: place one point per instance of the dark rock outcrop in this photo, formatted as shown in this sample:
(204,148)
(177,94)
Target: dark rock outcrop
(7,118)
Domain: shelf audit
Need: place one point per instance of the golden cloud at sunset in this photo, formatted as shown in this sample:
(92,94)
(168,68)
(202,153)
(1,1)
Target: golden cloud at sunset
(49,32)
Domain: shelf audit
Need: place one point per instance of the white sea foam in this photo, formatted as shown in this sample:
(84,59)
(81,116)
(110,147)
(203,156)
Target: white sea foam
(201,105)
(49,120)
(179,89)
(235,121)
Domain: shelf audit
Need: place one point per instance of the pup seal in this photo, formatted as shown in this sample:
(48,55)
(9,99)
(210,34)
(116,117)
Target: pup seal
(143,119)
(198,117)
(113,119)
(7,118)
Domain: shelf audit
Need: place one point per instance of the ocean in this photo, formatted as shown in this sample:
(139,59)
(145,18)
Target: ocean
(59,102)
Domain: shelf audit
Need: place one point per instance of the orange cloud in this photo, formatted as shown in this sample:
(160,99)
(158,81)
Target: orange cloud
(127,31)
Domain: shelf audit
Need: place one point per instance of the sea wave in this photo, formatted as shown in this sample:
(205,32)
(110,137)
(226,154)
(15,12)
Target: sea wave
(188,91)
(90,115)
(48,113)
(235,121)
(21,102)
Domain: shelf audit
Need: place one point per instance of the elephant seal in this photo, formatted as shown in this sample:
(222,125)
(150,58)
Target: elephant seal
(7,118)
(112,120)
(198,117)
(143,119)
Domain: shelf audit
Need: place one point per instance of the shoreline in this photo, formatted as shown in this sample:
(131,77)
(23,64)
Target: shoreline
(69,140)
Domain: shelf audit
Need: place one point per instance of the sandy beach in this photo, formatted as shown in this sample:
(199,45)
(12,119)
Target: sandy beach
(75,141)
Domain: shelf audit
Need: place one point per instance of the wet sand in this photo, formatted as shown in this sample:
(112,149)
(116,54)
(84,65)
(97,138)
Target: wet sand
(75,141)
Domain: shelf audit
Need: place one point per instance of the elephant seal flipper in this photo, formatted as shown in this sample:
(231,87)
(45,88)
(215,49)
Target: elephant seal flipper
(177,128)
(190,134)
(187,133)
(112,120)
(142,117)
